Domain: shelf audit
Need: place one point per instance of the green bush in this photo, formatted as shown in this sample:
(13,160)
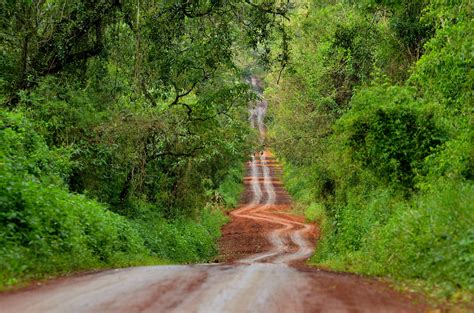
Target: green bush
(390,133)
(389,175)
(43,227)
(182,240)
(445,73)
(230,189)
(429,237)
(315,212)
(46,229)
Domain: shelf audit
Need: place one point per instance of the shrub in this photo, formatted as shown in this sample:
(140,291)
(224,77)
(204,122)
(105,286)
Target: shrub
(230,189)
(390,133)
(183,240)
(429,237)
(44,228)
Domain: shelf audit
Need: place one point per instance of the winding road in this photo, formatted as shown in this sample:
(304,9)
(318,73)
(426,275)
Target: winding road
(261,268)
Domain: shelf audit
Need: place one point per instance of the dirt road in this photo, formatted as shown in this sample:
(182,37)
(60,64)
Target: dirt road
(262,269)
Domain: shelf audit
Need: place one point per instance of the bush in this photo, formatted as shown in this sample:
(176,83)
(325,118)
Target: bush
(43,227)
(390,133)
(444,73)
(389,175)
(429,237)
(230,189)
(183,240)
(46,229)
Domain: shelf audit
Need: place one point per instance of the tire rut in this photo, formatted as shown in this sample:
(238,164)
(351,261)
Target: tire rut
(263,250)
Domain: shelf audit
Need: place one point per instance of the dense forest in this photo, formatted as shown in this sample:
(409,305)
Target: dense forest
(123,128)
(373,117)
(124,131)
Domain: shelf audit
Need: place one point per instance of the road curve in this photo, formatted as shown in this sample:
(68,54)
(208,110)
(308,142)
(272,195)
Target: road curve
(262,253)
(288,232)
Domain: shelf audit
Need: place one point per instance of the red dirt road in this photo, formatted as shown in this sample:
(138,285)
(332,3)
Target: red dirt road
(264,221)
(262,254)
(258,244)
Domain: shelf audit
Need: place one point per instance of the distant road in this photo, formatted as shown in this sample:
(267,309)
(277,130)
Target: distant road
(263,250)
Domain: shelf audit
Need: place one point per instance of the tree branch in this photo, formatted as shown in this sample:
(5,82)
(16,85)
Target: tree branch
(181,95)
(281,11)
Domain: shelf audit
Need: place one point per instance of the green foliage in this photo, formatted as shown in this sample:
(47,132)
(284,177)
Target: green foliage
(388,173)
(405,21)
(389,133)
(428,237)
(145,94)
(445,73)
(46,229)
(131,121)
(315,212)
(182,240)
(24,151)
(140,153)
(231,187)
(429,246)
(455,160)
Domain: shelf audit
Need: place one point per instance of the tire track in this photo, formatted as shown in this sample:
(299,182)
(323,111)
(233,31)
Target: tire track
(288,233)
(260,282)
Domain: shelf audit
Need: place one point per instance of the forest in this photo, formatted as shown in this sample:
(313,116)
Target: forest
(373,118)
(124,131)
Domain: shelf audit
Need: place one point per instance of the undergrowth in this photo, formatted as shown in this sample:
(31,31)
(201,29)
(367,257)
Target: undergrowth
(47,230)
(231,187)
(376,135)
(423,244)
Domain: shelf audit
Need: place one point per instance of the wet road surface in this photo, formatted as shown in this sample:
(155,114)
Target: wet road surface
(262,269)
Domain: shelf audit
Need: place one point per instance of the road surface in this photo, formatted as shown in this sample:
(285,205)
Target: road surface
(262,254)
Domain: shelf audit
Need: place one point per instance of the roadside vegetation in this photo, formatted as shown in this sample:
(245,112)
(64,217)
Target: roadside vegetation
(373,118)
(123,129)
